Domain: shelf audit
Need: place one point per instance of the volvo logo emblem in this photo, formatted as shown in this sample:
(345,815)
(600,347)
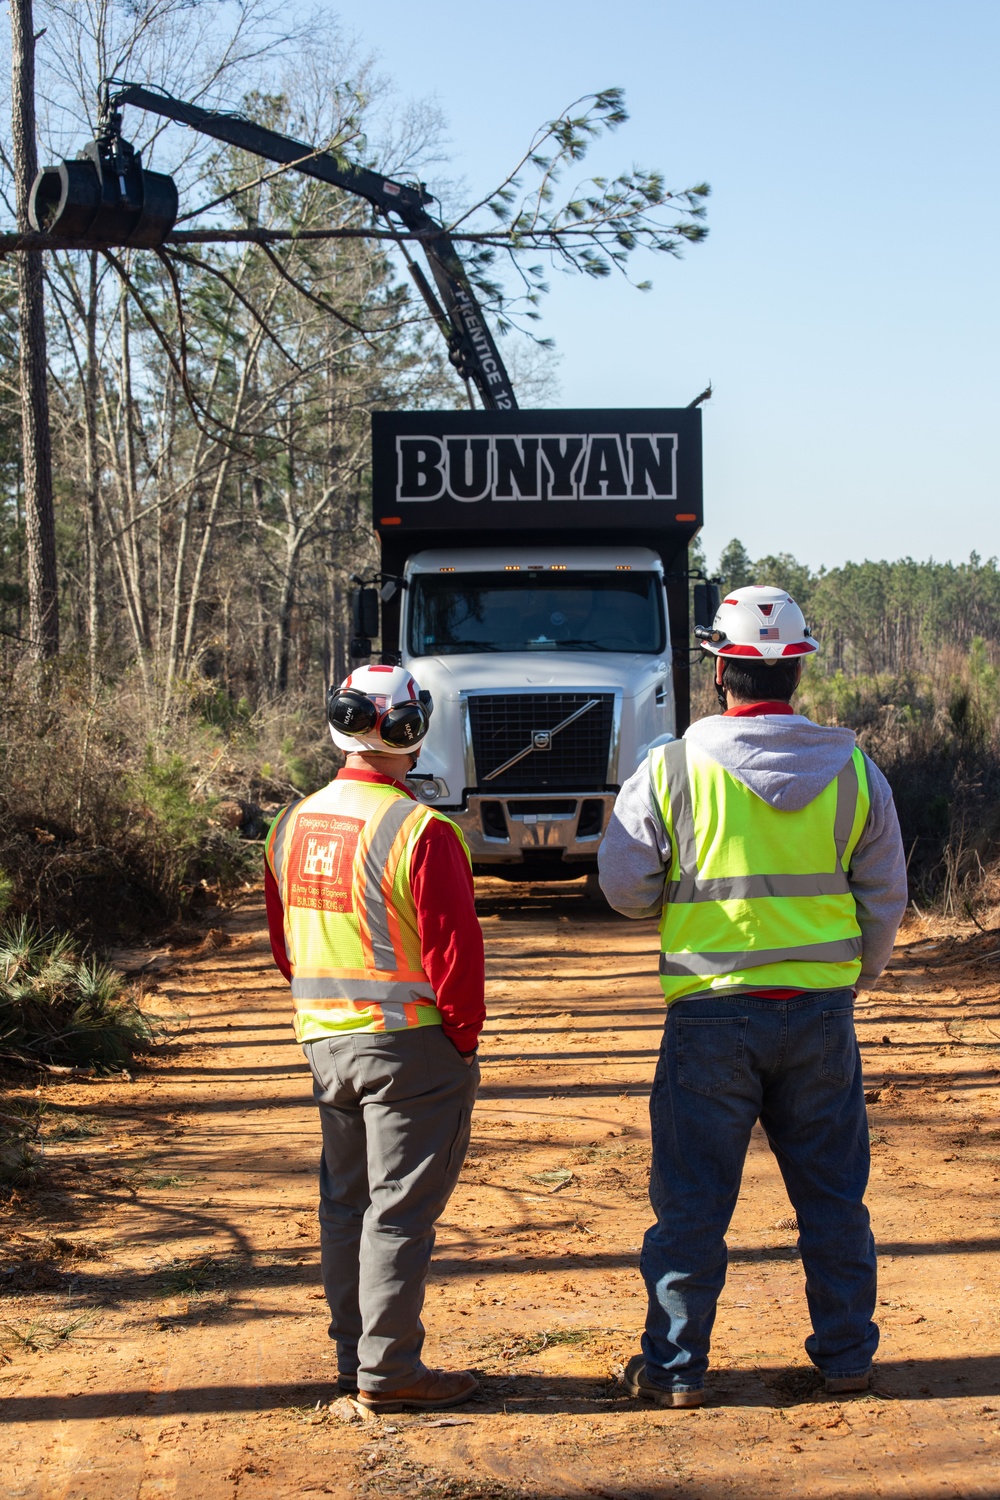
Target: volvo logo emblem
(541,739)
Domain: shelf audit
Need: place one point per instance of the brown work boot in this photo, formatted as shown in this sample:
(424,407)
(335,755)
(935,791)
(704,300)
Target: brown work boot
(637,1383)
(842,1385)
(434,1391)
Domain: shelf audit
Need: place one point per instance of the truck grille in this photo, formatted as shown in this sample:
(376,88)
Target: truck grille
(577,761)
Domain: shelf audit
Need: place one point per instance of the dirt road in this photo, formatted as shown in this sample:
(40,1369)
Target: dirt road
(161,1308)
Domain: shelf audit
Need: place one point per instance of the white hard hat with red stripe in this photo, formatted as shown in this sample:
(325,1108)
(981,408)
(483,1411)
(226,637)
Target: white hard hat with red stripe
(378,708)
(758,622)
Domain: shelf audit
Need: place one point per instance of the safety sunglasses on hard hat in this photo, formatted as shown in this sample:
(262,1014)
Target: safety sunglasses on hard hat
(355,714)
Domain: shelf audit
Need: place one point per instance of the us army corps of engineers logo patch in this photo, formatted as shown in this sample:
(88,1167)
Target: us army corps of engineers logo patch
(321,861)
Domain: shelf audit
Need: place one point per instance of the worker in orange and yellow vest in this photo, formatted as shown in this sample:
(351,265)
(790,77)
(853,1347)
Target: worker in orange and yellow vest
(372,920)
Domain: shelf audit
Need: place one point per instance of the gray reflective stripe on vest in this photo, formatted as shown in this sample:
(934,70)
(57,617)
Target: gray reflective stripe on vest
(278,847)
(392,995)
(748,887)
(847,806)
(370,882)
(691,886)
(681,805)
(841,951)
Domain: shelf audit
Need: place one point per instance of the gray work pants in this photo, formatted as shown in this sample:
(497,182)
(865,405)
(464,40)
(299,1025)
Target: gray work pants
(396,1109)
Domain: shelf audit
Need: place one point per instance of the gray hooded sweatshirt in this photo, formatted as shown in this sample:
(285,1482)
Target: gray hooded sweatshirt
(786,760)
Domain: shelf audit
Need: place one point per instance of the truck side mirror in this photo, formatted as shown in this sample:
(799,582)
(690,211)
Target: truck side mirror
(706,604)
(360,647)
(366,612)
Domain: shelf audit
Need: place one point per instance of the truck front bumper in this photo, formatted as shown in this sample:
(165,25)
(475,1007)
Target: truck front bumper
(516,829)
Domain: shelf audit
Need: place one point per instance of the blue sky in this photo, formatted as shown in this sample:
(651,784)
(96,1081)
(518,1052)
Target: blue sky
(845,303)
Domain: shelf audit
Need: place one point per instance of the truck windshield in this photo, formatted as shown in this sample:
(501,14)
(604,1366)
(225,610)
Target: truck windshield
(535,611)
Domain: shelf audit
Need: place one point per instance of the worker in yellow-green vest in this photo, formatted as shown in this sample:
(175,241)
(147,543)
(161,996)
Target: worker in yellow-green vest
(373,923)
(769,848)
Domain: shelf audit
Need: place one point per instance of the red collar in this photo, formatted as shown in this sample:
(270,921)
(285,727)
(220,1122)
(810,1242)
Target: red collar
(754,710)
(374,778)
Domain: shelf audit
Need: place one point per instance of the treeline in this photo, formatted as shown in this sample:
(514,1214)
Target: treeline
(175,595)
(209,401)
(209,413)
(881,617)
(909,658)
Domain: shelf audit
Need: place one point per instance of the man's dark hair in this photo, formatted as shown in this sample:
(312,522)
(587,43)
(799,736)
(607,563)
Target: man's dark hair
(753,682)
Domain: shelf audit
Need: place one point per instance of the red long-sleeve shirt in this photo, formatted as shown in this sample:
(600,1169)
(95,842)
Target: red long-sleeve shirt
(451,940)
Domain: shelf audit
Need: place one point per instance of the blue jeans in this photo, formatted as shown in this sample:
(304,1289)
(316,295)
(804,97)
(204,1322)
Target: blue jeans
(795,1066)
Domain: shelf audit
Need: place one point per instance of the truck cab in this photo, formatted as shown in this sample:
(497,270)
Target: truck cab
(549,669)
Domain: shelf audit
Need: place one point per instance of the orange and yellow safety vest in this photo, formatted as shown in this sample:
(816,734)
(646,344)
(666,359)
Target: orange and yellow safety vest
(341,859)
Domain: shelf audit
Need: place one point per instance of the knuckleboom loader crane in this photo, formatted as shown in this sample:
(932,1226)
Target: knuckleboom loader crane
(106,197)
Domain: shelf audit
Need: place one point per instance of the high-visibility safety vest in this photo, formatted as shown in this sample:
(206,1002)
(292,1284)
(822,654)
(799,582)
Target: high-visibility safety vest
(756,897)
(341,859)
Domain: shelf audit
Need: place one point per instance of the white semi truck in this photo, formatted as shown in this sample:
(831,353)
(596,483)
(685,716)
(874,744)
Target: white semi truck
(535,581)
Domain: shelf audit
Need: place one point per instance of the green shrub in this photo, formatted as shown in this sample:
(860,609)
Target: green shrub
(20,1156)
(59,1007)
(173,840)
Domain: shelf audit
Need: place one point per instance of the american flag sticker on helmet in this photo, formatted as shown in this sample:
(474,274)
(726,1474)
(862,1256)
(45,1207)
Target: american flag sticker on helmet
(771,634)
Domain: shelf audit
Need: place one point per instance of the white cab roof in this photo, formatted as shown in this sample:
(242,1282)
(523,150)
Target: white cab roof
(498,557)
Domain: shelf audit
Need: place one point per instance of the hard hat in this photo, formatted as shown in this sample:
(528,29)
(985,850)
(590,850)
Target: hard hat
(758,621)
(378,708)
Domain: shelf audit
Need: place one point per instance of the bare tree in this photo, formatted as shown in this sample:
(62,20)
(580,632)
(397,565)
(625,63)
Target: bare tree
(39,512)
(211,401)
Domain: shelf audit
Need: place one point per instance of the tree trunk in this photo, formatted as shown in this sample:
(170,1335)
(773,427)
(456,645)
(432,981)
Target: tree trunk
(286,605)
(93,471)
(173,650)
(40,530)
(134,539)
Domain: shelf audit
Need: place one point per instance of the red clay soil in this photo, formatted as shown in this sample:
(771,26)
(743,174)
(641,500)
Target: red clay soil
(164,1330)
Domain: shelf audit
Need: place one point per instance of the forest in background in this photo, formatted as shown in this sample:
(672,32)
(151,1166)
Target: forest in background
(209,409)
(209,420)
(909,657)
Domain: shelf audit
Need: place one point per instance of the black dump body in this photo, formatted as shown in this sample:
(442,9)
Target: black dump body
(584,478)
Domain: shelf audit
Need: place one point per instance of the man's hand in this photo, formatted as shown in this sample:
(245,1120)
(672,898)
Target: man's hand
(468,1058)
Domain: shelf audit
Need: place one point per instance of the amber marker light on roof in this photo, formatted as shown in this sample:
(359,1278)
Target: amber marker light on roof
(686,515)
(446,570)
(623,567)
(558,567)
(512,567)
(391,521)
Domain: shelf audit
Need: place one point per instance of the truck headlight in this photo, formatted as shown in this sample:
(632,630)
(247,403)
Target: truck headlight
(429,788)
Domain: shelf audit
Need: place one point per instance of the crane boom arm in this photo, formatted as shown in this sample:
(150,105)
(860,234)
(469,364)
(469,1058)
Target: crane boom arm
(471,346)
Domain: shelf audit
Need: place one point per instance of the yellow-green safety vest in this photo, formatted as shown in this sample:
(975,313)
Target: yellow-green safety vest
(341,859)
(755,897)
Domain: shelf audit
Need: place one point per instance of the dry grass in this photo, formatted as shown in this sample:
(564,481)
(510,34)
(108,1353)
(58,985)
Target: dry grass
(114,820)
